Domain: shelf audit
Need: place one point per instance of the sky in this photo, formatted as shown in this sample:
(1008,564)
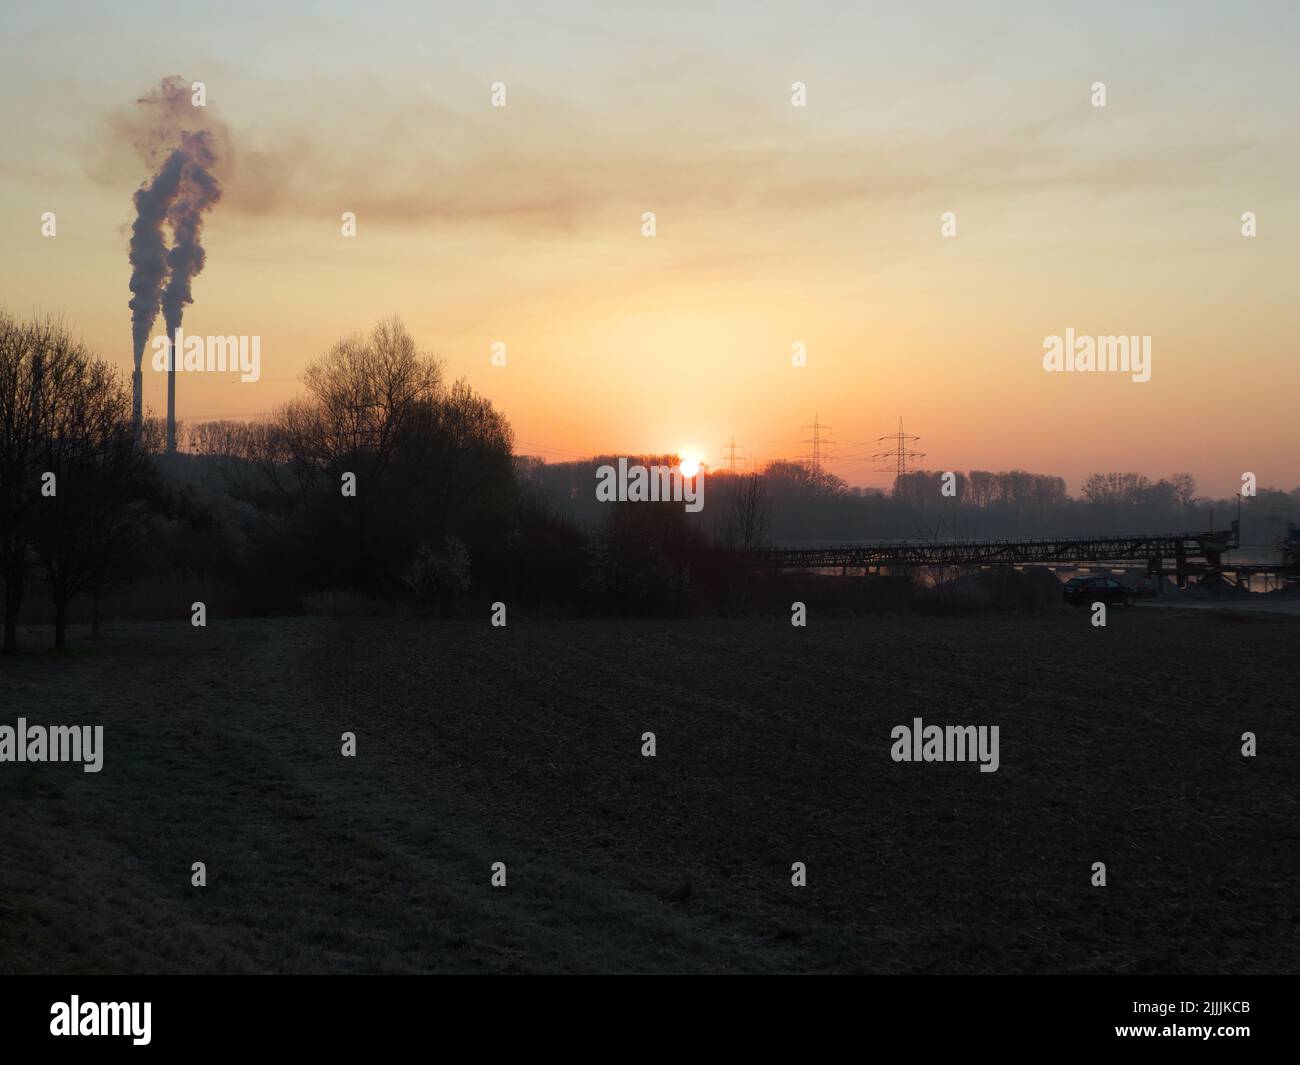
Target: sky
(775,225)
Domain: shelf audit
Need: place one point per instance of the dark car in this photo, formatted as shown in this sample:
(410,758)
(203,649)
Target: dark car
(1084,591)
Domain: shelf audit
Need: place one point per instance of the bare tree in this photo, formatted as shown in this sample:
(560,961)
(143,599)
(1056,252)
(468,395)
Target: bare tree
(982,484)
(94,475)
(1184,487)
(363,390)
(22,350)
(751,514)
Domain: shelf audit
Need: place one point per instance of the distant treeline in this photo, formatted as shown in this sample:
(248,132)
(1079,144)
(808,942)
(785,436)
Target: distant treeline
(383,486)
(805,507)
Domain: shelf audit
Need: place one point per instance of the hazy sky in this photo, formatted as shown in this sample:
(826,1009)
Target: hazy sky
(775,224)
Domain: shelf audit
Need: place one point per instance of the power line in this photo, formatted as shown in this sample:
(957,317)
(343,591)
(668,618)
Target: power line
(816,443)
(731,459)
(897,457)
(559,450)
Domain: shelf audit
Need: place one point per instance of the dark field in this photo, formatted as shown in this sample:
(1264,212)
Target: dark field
(522,745)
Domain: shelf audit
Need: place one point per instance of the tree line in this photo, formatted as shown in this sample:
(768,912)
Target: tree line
(382,483)
(260,512)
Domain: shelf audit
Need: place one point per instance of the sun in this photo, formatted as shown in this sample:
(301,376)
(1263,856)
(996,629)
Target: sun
(690,464)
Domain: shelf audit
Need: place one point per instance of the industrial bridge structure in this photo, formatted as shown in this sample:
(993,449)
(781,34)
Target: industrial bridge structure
(1177,555)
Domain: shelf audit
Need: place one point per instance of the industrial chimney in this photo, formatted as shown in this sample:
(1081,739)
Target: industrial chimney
(137,402)
(171,395)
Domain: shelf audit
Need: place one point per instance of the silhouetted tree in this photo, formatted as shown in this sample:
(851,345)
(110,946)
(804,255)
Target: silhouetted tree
(25,347)
(71,470)
(85,528)
(749,515)
(431,463)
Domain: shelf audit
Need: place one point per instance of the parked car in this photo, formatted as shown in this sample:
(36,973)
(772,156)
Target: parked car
(1084,591)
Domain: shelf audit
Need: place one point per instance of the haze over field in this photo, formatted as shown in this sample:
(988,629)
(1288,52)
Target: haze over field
(775,224)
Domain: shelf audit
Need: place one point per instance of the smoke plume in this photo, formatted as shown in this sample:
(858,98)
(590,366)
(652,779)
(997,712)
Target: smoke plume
(183,189)
(198,193)
(148,256)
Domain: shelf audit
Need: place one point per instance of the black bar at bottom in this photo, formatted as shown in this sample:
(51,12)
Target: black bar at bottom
(341,1014)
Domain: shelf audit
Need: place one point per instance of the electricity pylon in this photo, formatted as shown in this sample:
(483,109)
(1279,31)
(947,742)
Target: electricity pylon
(898,456)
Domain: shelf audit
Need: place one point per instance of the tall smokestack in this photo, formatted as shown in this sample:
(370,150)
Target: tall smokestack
(171,394)
(183,189)
(198,193)
(149,262)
